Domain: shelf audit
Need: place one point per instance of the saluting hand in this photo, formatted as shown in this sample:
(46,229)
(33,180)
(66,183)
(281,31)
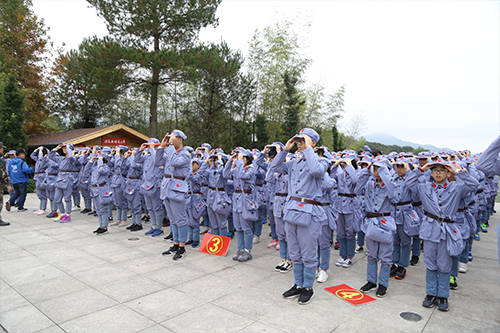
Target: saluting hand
(290,143)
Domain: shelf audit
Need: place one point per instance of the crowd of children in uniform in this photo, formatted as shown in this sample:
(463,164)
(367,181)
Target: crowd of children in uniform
(396,203)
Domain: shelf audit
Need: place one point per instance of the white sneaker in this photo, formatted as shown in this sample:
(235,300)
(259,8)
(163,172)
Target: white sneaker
(122,224)
(256,239)
(462,267)
(111,224)
(347,263)
(322,276)
(38,211)
(340,262)
(41,212)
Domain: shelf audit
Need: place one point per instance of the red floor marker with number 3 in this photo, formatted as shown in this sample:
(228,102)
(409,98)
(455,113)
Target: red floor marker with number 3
(214,244)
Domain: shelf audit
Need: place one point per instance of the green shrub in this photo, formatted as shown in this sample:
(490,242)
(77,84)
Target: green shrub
(31,186)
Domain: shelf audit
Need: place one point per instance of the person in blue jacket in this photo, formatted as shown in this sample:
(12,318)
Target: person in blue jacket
(18,172)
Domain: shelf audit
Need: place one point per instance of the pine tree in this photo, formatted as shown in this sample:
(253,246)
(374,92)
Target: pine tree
(261,131)
(12,115)
(294,104)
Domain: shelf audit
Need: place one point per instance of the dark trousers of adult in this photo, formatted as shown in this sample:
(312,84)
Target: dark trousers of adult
(20,190)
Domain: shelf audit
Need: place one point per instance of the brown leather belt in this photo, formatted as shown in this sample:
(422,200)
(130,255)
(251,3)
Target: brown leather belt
(471,203)
(198,193)
(370,214)
(281,194)
(68,171)
(347,195)
(134,177)
(438,218)
(416,204)
(312,202)
(479,191)
(52,174)
(99,185)
(401,203)
(216,188)
(259,185)
(324,204)
(119,174)
(461,209)
(244,191)
(175,177)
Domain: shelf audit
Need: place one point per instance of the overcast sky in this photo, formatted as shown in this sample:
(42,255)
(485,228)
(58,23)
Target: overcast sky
(423,71)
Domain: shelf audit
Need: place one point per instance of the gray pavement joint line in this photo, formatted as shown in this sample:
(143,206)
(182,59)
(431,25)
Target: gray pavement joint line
(32,304)
(2,329)
(427,322)
(342,322)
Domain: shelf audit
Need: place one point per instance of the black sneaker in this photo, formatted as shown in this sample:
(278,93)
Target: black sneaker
(429,301)
(170,237)
(287,267)
(369,286)
(22,210)
(306,296)
(166,222)
(394,268)
(400,273)
(147,219)
(85,211)
(414,260)
(181,253)
(101,231)
(144,218)
(136,227)
(173,249)
(3,223)
(130,226)
(96,230)
(337,246)
(381,291)
(91,212)
(442,304)
(292,292)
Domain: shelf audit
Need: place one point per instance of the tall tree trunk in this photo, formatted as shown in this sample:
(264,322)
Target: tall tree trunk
(153,111)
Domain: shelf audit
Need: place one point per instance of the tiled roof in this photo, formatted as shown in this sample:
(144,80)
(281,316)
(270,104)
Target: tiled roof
(60,137)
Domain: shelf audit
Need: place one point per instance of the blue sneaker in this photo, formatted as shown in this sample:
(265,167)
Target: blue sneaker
(195,244)
(429,301)
(470,256)
(150,232)
(189,242)
(476,237)
(230,234)
(483,227)
(157,232)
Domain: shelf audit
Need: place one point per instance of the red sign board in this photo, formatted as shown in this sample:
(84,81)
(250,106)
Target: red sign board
(215,244)
(351,295)
(114,141)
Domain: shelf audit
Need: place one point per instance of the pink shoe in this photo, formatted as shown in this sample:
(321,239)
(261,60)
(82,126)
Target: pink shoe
(36,213)
(41,212)
(278,245)
(65,218)
(273,243)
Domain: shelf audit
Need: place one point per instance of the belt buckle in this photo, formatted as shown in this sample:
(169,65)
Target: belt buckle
(302,200)
(440,219)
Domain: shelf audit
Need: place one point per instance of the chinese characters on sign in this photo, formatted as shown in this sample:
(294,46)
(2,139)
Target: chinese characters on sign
(114,141)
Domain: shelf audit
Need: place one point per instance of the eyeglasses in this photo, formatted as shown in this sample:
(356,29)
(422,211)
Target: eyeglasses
(440,171)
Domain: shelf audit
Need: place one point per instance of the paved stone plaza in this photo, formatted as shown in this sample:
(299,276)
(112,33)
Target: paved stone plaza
(59,277)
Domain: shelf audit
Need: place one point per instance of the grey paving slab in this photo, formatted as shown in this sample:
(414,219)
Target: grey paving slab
(259,327)
(357,325)
(103,274)
(156,329)
(174,275)
(51,329)
(74,305)
(164,304)
(136,286)
(10,299)
(48,289)
(208,288)
(24,319)
(440,322)
(209,318)
(115,319)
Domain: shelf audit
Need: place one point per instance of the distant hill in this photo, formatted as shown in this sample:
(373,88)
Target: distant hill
(388,139)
